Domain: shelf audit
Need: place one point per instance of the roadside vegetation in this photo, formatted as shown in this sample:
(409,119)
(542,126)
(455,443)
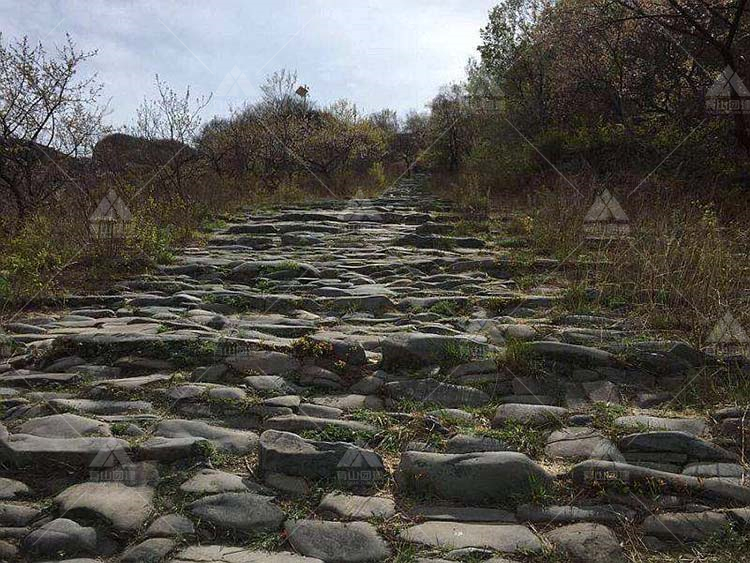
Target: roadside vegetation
(569,98)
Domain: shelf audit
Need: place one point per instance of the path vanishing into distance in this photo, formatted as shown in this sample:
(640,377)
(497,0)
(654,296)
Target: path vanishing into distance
(352,381)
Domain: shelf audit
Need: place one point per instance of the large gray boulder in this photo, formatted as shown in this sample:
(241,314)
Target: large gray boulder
(475,478)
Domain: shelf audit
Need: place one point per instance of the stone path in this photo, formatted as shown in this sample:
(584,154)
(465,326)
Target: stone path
(353,382)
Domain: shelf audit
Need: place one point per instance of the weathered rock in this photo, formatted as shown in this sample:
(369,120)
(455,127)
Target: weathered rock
(23,449)
(357,507)
(124,508)
(576,443)
(64,426)
(264,363)
(431,391)
(11,489)
(674,442)
(599,472)
(61,536)
(506,538)
(169,526)
(417,350)
(477,478)
(337,542)
(226,439)
(284,452)
(592,543)
(149,551)
(695,526)
(603,514)
(694,426)
(211,481)
(232,554)
(461,513)
(537,415)
(239,512)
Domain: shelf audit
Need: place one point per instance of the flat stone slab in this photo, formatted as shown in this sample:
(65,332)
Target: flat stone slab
(674,442)
(414,349)
(357,507)
(344,542)
(296,423)
(101,407)
(693,526)
(695,426)
(432,391)
(461,513)
(592,543)
(225,439)
(595,472)
(604,514)
(66,425)
(537,415)
(124,508)
(61,536)
(476,478)
(231,554)
(575,443)
(506,538)
(212,481)
(563,352)
(24,449)
(239,512)
(349,465)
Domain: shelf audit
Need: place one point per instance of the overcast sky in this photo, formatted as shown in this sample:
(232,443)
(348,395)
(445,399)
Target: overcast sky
(378,53)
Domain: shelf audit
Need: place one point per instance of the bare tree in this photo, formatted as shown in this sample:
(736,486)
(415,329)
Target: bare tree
(49,117)
(173,121)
